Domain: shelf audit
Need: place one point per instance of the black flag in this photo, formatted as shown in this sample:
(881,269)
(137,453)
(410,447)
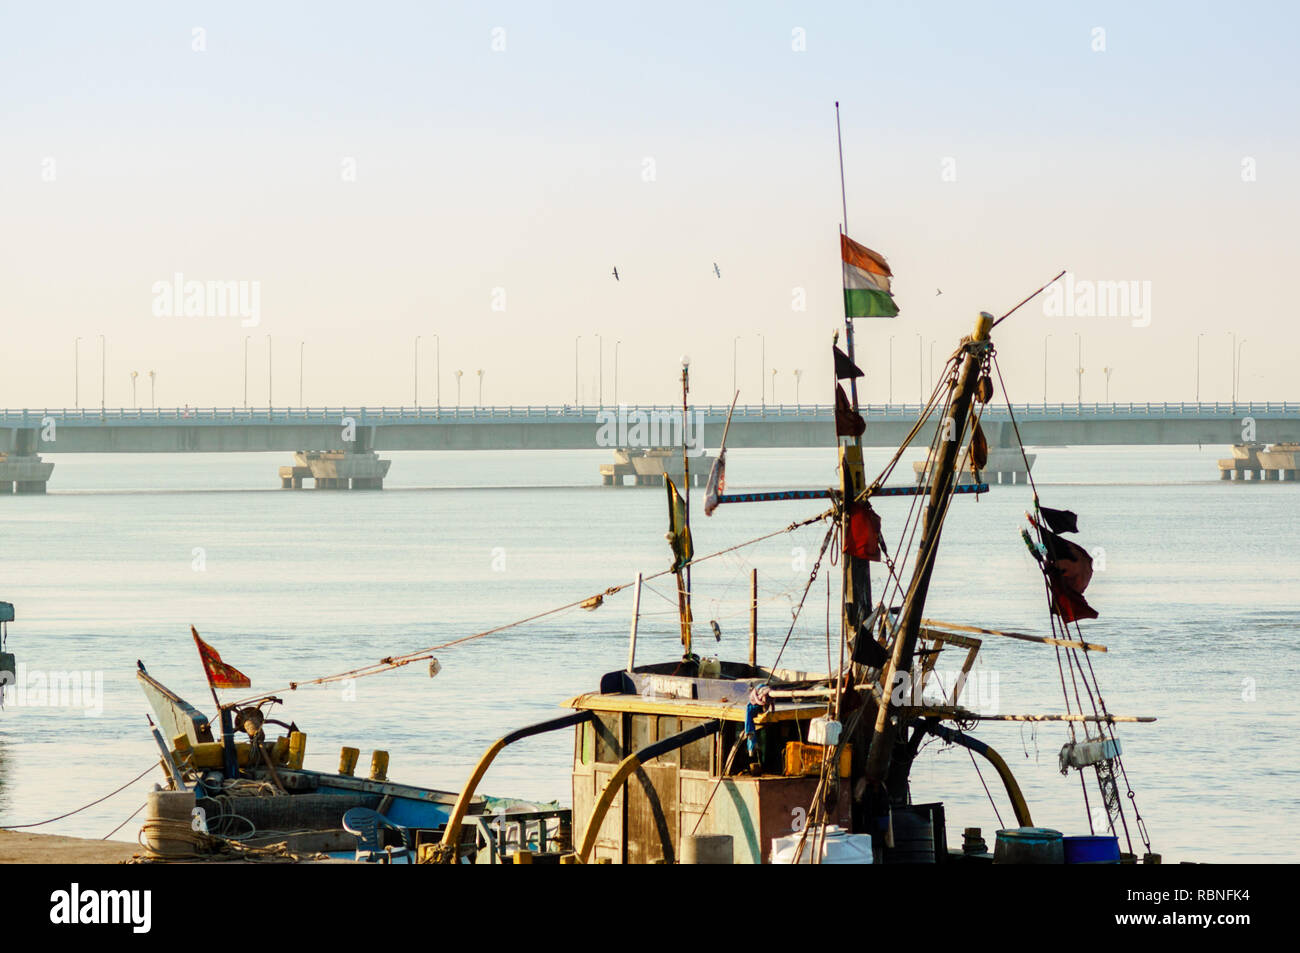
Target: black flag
(844,368)
(1060,521)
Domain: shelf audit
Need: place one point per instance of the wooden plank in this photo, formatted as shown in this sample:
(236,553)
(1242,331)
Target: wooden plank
(1023,636)
(963,714)
(686,708)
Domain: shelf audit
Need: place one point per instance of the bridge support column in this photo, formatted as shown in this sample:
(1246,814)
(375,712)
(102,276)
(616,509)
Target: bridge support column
(336,470)
(23,473)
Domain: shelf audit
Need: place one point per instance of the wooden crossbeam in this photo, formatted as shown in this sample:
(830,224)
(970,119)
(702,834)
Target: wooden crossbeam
(1023,636)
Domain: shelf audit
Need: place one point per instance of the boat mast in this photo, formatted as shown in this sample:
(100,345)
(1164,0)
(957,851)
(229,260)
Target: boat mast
(855,573)
(684,589)
(887,725)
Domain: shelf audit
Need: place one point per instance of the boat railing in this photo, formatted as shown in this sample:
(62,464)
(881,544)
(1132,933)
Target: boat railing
(499,836)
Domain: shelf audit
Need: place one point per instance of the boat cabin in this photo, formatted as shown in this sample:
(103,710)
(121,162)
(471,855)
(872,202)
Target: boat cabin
(680,741)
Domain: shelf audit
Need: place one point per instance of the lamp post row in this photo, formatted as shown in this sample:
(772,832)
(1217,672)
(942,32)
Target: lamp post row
(1237,349)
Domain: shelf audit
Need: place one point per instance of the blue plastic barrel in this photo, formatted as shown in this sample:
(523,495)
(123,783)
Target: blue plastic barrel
(1028,845)
(1092,849)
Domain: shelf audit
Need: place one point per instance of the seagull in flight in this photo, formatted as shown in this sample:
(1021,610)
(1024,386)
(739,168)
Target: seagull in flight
(616,272)
(716,270)
(938,291)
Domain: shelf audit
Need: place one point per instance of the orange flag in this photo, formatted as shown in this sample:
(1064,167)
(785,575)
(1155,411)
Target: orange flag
(220,675)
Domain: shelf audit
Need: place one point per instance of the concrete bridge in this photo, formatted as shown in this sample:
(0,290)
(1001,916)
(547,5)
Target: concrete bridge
(367,430)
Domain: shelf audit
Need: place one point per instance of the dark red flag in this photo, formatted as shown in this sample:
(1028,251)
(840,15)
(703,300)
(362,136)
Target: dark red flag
(1066,601)
(1071,559)
(848,422)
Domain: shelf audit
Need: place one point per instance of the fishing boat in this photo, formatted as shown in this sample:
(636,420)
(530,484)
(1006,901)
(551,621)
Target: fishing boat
(254,799)
(697,760)
(702,760)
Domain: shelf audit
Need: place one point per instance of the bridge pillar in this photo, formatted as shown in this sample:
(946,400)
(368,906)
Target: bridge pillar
(23,472)
(336,470)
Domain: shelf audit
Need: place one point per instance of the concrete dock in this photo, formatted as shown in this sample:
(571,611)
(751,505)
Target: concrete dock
(1256,462)
(335,470)
(648,467)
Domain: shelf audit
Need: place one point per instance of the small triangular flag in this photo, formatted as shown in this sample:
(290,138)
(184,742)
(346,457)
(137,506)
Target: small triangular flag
(844,368)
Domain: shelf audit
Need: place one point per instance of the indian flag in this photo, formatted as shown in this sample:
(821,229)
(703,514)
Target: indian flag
(866,282)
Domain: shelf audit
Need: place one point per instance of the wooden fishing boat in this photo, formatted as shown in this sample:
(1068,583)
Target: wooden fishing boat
(254,797)
(699,760)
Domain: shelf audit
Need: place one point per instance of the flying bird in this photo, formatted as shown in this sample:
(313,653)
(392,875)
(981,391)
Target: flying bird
(616,272)
(938,291)
(716,270)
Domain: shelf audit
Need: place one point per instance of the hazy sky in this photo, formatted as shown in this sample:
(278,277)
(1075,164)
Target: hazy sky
(383,170)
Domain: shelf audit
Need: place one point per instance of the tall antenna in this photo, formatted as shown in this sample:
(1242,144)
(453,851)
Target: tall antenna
(844,231)
(844,201)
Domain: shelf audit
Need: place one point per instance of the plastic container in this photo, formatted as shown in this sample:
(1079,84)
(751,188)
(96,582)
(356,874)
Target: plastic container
(838,847)
(1091,849)
(1029,845)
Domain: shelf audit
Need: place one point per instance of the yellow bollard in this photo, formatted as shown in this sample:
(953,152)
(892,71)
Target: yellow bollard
(182,750)
(379,766)
(297,750)
(348,760)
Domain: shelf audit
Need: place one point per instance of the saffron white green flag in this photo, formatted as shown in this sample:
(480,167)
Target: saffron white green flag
(866,282)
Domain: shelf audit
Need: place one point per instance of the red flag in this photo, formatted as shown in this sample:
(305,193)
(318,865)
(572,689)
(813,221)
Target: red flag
(1066,602)
(220,675)
(862,539)
(1070,558)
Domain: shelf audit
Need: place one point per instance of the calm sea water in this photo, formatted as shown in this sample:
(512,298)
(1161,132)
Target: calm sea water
(1196,585)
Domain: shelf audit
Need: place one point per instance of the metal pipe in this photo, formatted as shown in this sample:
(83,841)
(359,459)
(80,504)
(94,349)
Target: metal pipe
(451,835)
(1009,782)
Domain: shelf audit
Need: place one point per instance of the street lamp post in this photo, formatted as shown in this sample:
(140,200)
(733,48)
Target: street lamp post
(416,373)
(734,341)
(576,401)
(134,375)
(1240,348)
(1107,371)
(891,368)
(480,387)
(920,367)
(458,377)
(932,343)
(153,389)
(1198,366)
(797,374)
(1045,337)
(1078,341)
(774,387)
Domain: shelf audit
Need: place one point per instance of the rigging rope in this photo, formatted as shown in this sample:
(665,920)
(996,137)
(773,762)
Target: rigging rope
(397,661)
